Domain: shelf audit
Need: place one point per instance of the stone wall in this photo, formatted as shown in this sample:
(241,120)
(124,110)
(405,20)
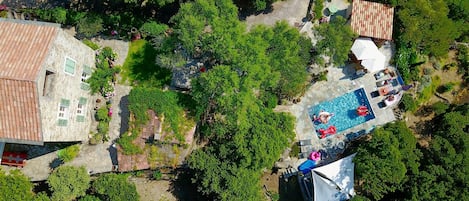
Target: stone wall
(62,85)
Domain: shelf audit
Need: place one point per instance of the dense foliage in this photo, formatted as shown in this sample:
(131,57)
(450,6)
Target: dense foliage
(69,153)
(234,97)
(68,182)
(115,187)
(102,77)
(15,186)
(391,167)
(334,40)
(166,104)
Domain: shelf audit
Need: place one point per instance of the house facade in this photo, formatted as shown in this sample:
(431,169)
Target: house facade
(42,84)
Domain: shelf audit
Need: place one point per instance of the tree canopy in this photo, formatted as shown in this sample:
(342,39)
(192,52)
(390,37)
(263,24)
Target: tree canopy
(390,166)
(115,187)
(68,182)
(426,25)
(15,186)
(334,40)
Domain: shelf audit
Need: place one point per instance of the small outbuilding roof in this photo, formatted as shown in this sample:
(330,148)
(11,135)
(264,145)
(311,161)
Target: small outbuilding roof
(372,19)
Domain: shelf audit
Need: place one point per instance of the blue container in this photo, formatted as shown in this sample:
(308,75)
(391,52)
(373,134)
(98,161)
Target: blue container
(307,166)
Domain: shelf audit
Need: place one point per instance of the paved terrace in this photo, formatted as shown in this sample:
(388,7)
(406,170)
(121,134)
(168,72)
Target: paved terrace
(339,83)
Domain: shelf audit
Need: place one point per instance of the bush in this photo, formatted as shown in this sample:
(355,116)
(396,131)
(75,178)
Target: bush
(153,29)
(42,196)
(73,17)
(115,187)
(89,198)
(295,150)
(439,107)
(103,127)
(427,71)
(129,148)
(68,182)
(446,87)
(408,103)
(318,7)
(90,25)
(59,15)
(69,153)
(102,114)
(97,138)
(157,175)
(90,44)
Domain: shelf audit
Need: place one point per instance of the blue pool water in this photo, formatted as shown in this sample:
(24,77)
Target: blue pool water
(344,108)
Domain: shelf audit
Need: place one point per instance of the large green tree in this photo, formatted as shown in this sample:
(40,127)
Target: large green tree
(425,25)
(383,163)
(68,182)
(334,40)
(15,186)
(115,187)
(445,167)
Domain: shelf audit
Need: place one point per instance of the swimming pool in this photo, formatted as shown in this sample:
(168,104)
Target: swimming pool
(344,108)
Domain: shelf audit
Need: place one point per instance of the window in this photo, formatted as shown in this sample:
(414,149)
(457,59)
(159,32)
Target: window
(48,80)
(81,109)
(69,66)
(84,76)
(63,112)
(86,73)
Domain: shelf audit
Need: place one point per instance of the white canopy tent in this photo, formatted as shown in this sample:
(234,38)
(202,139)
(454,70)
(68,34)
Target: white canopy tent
(366,51)
(364,48)
(376,64)
(334,182)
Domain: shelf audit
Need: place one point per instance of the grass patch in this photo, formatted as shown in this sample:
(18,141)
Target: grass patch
(140,67)
(428,91)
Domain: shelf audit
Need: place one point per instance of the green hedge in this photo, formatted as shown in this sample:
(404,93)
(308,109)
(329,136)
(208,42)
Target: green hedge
(68,153)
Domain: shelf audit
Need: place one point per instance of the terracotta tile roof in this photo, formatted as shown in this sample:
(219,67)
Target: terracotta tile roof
(19,111)
(24,47)
(372,19)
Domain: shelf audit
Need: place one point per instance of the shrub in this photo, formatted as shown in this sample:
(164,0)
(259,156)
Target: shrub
(69,153)
(157,175)
(90,25)
(59,15)
(270,100)
(73,17)
(295,150)
(318,7)
(97,138)
(153,29)
(446,87)
(68,182)
(115,187)
(102,114)
(89,198)
(107,52)
(42,196)
(427,71)
(429,89)
(408,103)
(90,44)
(439,107)
(129,148)
(103,127)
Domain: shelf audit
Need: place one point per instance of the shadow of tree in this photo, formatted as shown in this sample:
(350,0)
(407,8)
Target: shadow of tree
(124,114)
(289,190)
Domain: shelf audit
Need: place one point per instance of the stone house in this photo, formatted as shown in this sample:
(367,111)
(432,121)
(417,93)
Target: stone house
(42,91)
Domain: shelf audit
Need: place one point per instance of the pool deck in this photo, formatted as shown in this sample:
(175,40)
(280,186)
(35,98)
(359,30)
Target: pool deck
(338,83)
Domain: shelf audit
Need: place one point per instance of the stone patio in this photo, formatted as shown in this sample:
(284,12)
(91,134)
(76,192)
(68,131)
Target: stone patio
(338,83)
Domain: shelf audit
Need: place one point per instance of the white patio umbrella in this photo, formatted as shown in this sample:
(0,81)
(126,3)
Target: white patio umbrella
(375,64)
(364,48)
